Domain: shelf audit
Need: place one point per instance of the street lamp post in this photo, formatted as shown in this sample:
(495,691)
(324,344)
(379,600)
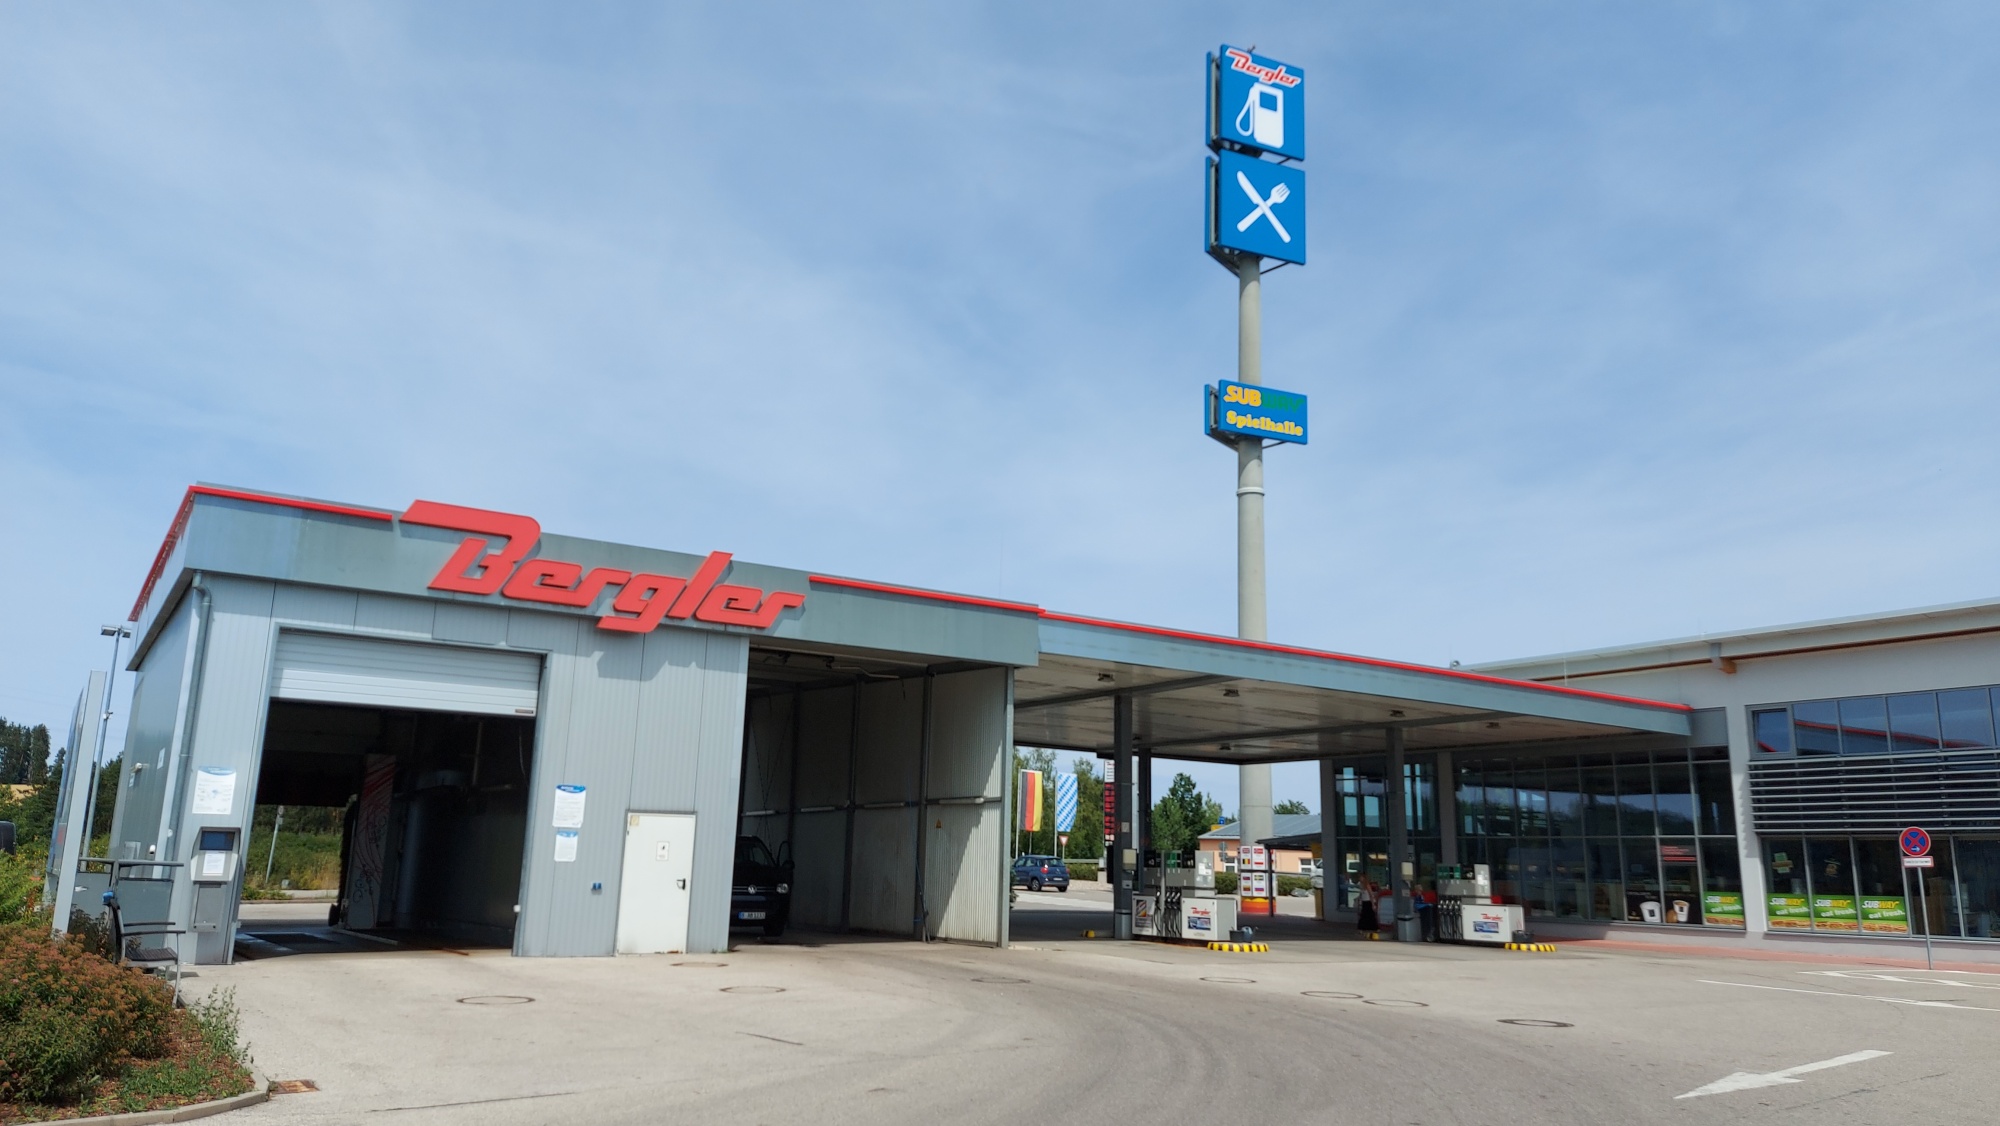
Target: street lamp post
(117,634)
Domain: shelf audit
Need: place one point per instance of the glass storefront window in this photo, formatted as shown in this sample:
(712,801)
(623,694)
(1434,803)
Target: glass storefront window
(1600,796)
(1680,881)
(1979,884)
(1913,722)
(1830,869)
(1864,726)
(1935,911)
(1772,730)
(1533,810)
(1607,884)
(1499,798)
(1789,905)
(1721,884)
(1966,717)
(1565,800)
(1673,795)
(1878,876)
(1635,796)
(1715,795)
(1571,875)
(1642,883)
(1816,727)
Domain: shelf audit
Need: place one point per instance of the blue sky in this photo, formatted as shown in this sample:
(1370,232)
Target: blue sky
(1621,322)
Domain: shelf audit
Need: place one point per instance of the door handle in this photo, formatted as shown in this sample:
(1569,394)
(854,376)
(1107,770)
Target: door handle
(683,884)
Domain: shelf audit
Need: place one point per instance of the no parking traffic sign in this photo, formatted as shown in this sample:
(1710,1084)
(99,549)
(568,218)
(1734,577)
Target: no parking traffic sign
(1915,842)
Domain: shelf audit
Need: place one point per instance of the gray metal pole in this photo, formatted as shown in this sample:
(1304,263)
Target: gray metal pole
(1122,803)
(271,857)
(1253,781)
(118,634)
(1399,831)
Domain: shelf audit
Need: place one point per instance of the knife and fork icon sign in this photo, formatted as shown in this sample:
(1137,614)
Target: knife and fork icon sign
(1279,194)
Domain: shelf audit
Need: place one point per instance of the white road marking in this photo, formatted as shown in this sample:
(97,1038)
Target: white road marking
(1903,980)
(1854,996)
(1746,1080)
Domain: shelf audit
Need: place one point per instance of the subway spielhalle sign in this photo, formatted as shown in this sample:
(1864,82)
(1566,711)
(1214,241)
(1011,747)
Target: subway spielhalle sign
(1248,410)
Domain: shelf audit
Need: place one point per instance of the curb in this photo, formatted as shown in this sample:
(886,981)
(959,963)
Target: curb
(1533,947)
(1241,947)
(260,1093)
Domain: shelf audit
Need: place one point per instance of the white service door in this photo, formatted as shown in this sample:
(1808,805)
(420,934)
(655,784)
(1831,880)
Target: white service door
(653,891)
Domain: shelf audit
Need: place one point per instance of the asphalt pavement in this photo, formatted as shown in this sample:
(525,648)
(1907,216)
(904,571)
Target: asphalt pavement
(1059,1028)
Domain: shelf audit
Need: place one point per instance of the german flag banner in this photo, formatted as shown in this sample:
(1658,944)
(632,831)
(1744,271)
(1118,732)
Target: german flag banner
(1031,800)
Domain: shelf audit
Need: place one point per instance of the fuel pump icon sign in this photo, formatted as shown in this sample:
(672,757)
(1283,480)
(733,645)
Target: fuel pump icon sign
(1262,118)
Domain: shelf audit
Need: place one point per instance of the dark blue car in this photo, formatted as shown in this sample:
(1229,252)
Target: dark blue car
(1038,872)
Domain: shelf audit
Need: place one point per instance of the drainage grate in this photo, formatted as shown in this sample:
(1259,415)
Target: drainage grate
(753,989)
(495,999)
(1524,1023)
(292,1086)
(1331,996)
(1001,980)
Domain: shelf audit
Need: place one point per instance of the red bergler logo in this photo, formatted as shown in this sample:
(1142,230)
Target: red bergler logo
(643,601)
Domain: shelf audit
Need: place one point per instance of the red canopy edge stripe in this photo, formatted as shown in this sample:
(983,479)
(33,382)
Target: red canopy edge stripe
(1375,662)
(179,527)
(935,596)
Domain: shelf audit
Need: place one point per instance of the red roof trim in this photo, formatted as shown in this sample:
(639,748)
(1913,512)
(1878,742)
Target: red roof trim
(935,596)
(1374,662)
(179,527)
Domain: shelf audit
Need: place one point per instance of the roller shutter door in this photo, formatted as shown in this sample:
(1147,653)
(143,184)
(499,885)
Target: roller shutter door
(334,669)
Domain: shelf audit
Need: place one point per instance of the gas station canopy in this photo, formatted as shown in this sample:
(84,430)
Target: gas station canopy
(1219,699)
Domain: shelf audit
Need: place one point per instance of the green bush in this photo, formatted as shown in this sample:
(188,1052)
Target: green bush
(20,886)
(69,1019)
(1289,884)
(1084,870)
(1225,883)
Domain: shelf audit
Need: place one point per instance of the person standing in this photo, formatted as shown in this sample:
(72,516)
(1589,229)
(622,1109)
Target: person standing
(1365,918)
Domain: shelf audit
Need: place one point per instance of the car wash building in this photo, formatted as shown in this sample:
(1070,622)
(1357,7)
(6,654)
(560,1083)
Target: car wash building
(553,744)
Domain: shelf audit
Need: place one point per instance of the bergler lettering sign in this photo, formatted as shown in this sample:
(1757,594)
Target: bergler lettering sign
(643,600)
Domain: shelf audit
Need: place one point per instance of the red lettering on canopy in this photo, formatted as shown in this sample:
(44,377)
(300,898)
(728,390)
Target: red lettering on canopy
(642,603)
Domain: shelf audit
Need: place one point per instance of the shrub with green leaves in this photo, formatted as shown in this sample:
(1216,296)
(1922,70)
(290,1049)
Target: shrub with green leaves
(68,1018)
(20,886)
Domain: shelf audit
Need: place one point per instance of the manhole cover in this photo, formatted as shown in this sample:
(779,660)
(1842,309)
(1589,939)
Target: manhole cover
(1232,980)
(753,989)
(702,965)
(1538,1023)
(292,1086)
(1391,1003)
(1001,980)
(495,999)
(1331,996)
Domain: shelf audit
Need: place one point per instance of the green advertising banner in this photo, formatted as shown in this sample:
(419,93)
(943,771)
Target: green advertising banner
(1722,908)
(1835,913)
(1790,912)
(1885,915)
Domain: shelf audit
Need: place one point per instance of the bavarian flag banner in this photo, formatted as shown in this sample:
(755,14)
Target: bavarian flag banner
(1031,800)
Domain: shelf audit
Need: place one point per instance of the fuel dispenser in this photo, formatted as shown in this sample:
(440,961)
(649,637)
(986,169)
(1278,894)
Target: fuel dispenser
(1467,912)
(213,868)
(1180,900)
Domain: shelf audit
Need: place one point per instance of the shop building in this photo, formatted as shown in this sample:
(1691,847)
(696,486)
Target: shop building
(1812,747)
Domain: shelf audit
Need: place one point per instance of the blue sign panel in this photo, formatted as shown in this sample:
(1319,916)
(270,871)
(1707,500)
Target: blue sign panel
(1256,412)
(1256,104)
(1257,207)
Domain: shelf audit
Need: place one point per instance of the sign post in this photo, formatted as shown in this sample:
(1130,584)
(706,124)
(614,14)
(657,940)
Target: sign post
(1256,209)
(1916,845)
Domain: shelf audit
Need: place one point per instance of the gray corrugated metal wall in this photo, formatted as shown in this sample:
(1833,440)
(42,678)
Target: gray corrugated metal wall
(962,818)
(150,738)
(649,723)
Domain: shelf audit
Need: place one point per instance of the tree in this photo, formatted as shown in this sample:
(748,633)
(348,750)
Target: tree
(1182,816)
(1291,806)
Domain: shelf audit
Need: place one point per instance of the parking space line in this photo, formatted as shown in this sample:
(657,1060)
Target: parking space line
(1855,996)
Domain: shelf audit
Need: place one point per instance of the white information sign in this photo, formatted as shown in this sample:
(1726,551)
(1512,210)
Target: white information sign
(565,846)
(569,806)
(214,791)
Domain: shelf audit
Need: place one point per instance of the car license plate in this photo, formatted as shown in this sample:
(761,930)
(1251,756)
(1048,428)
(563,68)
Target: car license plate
(749,914)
